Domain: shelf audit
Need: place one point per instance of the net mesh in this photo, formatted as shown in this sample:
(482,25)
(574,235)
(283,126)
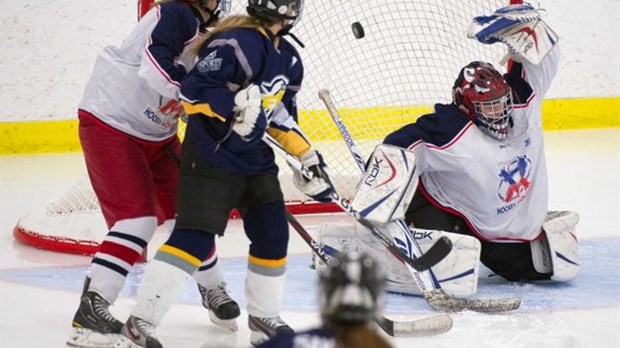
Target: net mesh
(408,60)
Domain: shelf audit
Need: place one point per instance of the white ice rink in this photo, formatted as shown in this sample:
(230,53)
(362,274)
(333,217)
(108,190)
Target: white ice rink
(40,290)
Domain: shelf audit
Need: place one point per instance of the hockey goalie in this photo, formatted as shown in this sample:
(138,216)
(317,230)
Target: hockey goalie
(475,172)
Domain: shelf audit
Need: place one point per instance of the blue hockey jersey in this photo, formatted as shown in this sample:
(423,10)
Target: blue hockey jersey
(227,62)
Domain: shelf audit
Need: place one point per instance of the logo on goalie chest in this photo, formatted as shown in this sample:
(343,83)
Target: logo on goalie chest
(514,183)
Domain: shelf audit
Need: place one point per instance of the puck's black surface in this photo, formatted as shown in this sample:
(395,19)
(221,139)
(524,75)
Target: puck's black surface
(358,30)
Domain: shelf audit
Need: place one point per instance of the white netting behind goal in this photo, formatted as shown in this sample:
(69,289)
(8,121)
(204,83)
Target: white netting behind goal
(407,61)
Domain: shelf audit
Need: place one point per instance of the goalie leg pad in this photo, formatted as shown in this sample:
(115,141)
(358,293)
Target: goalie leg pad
(457,273)
(557,251)
(388,185)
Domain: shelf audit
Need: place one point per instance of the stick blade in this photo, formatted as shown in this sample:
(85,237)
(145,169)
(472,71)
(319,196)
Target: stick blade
(430,326)
(493,305)
(433,256)
(441,301)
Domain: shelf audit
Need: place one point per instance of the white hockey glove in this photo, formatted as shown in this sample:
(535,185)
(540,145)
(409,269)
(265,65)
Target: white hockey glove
(250,119)
(318,188)
(520,28)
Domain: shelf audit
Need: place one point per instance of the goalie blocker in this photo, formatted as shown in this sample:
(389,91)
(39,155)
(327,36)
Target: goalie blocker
(555,253)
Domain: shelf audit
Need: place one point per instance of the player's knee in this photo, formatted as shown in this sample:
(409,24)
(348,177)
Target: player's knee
(267,229)
(196,243)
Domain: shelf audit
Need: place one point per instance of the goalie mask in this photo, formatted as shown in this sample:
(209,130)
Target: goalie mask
(483,94)
(351,289)
(274,11)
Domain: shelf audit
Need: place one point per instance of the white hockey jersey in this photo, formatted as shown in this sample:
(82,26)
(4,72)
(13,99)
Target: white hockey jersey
(499,187)
(134,88)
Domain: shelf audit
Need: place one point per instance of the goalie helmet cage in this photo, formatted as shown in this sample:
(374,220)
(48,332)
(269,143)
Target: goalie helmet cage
(406,61)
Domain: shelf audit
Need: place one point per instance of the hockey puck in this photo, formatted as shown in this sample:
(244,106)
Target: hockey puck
(358,30)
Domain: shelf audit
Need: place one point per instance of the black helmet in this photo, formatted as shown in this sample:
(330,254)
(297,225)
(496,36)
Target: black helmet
(274,11)
(351,289)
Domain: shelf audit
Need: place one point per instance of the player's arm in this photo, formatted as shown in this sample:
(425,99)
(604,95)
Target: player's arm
(285,129)
(218,86)
(284,125)
(160,66)
(429,137)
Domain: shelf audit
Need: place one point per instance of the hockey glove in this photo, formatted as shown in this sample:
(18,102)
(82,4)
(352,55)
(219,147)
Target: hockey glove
(250,119)
(486,28)
(520,28)
(318,188)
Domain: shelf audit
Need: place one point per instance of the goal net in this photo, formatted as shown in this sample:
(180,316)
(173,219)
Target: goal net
(407,60)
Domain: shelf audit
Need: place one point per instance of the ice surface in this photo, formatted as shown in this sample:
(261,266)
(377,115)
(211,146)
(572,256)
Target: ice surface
(39,290)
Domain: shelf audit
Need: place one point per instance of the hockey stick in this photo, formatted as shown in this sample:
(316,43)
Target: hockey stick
(413,328)
(437,298)
(436,253)
(325,253)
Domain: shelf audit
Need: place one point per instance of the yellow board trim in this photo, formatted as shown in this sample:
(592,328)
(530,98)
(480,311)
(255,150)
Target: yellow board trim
(558,114)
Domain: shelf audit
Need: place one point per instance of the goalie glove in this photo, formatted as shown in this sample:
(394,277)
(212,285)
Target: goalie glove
(319,188)
(520,28)
(250,119)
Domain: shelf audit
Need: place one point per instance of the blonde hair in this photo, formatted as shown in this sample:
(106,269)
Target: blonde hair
(159,2)
(228,23)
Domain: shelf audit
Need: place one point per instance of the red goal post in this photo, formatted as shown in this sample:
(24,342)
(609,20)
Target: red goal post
(406,62)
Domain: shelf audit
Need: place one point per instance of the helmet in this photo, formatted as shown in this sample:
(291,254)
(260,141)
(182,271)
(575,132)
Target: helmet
(274,11)
(483,94)
(351,289)
(221,9)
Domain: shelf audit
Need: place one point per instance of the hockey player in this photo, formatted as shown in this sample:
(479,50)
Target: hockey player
(350,298)
(128,121)
(243,84)
(482,168)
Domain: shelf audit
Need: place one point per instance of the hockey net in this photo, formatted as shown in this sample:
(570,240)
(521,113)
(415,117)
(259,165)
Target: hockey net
(406,62)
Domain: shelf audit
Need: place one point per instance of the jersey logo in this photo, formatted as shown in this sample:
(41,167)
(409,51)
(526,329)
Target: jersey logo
(210,63)
(514,183)
(273,92)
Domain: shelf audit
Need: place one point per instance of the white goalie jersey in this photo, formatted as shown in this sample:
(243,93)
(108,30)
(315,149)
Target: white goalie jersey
(492,184)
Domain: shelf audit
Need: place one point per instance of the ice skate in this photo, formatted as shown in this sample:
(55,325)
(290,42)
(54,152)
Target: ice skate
(93,324)
(223,310)
(138,333)
(263,328)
